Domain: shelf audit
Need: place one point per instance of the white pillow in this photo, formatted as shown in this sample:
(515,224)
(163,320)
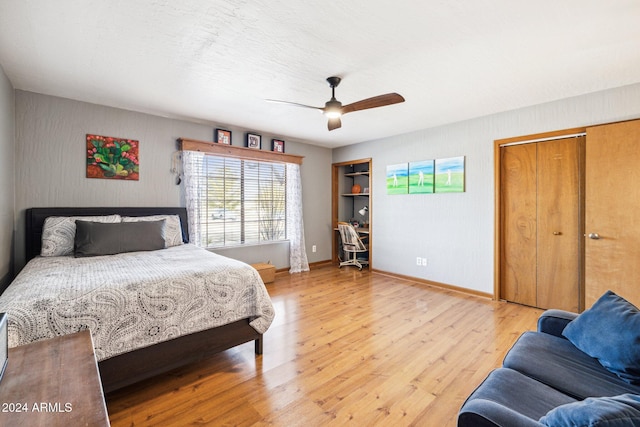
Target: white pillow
(59,232)
(172,228)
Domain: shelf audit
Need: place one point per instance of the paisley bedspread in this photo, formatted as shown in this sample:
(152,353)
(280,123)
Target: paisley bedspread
(133,300)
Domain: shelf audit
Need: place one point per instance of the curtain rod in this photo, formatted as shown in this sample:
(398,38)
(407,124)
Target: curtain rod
(550,138)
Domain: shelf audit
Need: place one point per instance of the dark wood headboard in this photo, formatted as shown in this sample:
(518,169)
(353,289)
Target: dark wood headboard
(35,220)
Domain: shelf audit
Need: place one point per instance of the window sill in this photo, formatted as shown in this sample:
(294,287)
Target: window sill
(246,245)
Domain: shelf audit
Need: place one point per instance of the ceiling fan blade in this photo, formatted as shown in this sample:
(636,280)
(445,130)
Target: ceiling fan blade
(294,104)
(334,123)
(376,101)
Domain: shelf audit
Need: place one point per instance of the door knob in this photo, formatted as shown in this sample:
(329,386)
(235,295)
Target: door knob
(594,236)
(557,233)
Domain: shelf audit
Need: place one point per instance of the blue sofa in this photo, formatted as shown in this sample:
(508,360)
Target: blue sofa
(546,380)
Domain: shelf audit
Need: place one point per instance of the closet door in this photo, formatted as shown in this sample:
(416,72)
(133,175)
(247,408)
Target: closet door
(518,183)
(612,241)
(540,224)
(558,237)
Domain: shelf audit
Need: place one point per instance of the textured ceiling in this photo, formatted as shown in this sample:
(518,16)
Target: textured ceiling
(218,60)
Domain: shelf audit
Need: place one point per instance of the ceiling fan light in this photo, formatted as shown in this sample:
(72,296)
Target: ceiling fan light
(332,108)
(332,114)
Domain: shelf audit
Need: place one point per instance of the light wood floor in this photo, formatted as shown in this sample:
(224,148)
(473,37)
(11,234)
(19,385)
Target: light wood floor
(346,347)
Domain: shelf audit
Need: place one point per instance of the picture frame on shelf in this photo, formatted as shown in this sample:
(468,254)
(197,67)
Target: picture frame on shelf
(253,140)
(223,136)
(277,145)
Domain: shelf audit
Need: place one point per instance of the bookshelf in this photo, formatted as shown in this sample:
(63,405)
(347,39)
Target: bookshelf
(351,193)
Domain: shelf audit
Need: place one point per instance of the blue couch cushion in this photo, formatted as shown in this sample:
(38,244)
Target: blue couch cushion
(509,398)
(616,411)
(610,332)
(559,364)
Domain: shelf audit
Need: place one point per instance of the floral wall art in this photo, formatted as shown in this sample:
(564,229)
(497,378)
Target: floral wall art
(112,158)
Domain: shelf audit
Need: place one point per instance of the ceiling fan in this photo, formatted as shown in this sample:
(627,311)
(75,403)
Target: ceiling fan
(333,109)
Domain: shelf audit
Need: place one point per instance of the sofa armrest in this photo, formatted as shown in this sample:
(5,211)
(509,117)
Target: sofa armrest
(486,413)
(554,321)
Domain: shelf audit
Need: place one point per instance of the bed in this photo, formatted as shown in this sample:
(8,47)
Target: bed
(149,311)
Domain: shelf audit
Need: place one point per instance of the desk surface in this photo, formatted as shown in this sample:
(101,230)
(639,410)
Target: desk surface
(53,383)
(360,230)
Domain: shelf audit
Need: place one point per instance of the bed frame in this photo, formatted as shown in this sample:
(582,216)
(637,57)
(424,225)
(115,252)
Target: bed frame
(128,368)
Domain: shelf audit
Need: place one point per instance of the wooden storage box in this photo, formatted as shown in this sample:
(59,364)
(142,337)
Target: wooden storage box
(267,271)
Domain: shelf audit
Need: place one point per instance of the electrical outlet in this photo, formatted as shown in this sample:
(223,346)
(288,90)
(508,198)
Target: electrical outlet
(424,262)
(418,261)
(313,248)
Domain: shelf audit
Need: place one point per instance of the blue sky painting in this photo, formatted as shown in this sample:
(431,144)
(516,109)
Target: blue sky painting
(450,175)
(398,179)
(421,177)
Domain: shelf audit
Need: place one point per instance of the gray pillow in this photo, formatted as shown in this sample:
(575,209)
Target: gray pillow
(172,228)
(96,238)
(58,233)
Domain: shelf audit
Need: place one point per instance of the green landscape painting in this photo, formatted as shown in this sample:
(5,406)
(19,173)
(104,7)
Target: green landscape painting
(450,175)
(421,177)
(397,179)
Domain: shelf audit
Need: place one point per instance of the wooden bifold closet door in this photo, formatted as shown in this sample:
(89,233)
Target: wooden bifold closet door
(541,227)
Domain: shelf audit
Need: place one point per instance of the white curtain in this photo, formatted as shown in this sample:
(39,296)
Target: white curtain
(295,226)
(192,162)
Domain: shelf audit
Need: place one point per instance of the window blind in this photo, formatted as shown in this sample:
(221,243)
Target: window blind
(240,201)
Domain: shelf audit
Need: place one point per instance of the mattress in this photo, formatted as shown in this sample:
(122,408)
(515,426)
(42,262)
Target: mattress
(133,300)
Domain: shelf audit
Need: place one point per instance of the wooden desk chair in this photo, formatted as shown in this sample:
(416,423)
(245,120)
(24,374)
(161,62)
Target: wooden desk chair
(351,246)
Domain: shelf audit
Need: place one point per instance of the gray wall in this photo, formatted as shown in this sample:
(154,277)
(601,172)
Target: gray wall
(7,188)
(50,167)
(455,232)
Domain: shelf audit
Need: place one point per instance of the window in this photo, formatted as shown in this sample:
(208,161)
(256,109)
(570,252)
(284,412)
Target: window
(240,201)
